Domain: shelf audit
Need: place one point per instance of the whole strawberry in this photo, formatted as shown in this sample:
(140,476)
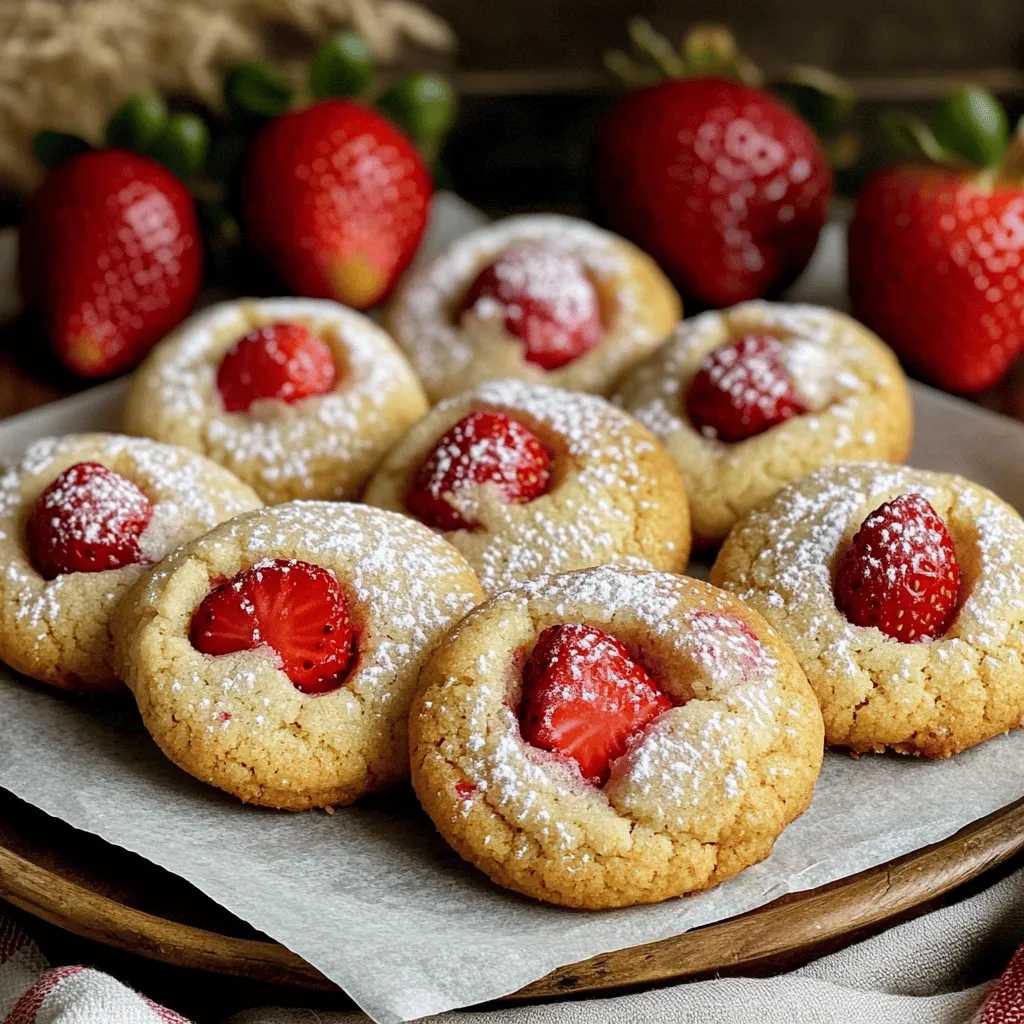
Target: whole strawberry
(111,255)
(725,186)
(935,248)
(337,200)
(937,270)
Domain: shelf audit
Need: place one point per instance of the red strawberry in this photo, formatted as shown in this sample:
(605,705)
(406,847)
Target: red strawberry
(585,698)
(1004,1003)
(742,389)
(89,519)
(111,254)
(482,448)
(336,198)
(937,269)
(294,607)
(900,573)
(721,183)
(280,360)
(547,300)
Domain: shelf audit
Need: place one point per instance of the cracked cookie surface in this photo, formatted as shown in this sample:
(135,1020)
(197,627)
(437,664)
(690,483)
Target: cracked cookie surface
(933,698)
(615,494)
(321,447)
(58,630)
(639,307)
(856,396)
(237,721)
(701,795)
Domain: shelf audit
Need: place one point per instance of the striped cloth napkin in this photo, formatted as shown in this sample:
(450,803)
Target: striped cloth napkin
(925,971)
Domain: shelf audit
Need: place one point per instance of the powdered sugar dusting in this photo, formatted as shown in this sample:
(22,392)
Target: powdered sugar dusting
(409,585)
(274,445)
(686,766)
(589,515)
(823,351)
(801,532)
(422,313)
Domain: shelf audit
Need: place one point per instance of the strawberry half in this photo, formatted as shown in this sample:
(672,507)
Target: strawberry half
(585,698)
(547,300)
(900,573)
(1004,1003)
(482,448)
(296,608)
(112,255)
(88,520)
(336,198)
(742,389)
(281,360)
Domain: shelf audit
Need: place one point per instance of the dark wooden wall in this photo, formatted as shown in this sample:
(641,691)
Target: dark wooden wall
(854,37)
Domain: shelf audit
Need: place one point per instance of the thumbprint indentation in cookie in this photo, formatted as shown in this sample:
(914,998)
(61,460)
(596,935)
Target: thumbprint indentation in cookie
(282,360)
(296,608)
(544,298)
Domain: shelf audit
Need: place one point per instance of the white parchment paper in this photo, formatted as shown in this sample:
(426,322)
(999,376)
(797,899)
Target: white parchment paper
(375,900)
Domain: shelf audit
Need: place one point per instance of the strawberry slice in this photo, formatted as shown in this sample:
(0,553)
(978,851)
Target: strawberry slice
(281,360)
(900,573)
(547,299)
(585,698)
(294,607)
(1004,1003)
(742,389)
(482,448)
(88,520)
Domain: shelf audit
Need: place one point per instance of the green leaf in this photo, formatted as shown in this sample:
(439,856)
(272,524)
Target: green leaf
(53,148)
(652,46)
(137,123)
(423,105)
(184,145)
(825,101)
(910,138)
(253,87)
(972,124)
(342,66)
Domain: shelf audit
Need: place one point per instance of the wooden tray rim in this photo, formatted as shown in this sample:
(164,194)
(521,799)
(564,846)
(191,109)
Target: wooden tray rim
(784,929)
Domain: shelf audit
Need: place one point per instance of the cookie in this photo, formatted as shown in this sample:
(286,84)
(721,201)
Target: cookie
(246,720)
(725,753)
(819,389)
(544,299)
(330,409)
(932,696)
(142,502)
(602,488)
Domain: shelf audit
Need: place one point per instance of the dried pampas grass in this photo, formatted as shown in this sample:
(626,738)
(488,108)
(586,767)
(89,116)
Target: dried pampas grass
(66,64)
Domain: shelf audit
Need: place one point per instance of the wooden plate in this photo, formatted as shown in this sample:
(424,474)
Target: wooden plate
(80,883)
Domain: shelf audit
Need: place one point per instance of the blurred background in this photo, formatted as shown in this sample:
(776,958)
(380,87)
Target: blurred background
(530,74)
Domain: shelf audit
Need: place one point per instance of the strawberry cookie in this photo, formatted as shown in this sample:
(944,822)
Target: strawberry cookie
(610,737)
(525,479)
(546,299)
(276,657)
(300,398)
(901,593)
(79,518)
(750,398)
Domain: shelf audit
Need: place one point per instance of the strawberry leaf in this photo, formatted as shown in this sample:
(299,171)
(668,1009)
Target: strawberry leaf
(53,148)
(910,138)
(823,100)
(253,87)
(342,66)
(972,124)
